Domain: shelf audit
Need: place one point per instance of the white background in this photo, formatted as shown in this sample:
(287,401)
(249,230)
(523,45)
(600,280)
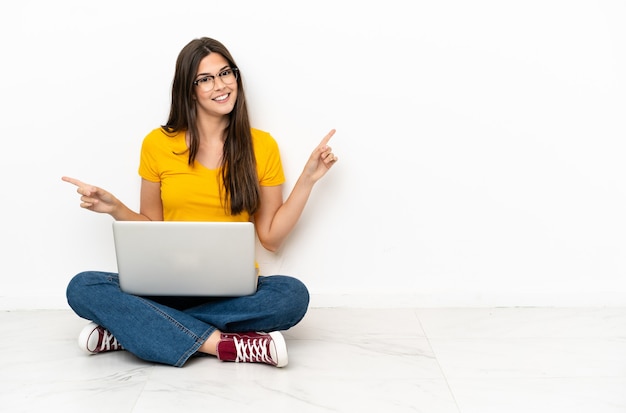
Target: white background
(481,143)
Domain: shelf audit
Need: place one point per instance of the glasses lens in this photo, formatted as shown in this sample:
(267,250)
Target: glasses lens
(228,76)
(206,83)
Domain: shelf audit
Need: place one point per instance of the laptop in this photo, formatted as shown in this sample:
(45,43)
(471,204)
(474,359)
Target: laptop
(166,258)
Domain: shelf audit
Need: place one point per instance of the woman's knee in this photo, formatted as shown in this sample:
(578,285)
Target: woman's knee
(84,284)
(303,301)
(295,296)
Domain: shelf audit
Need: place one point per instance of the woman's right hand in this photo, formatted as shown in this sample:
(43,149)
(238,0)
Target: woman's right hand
(94,198)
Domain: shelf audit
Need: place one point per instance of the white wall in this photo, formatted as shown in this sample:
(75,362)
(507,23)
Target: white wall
(481,143)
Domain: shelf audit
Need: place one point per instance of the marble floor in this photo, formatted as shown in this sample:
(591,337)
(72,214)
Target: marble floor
(457,360)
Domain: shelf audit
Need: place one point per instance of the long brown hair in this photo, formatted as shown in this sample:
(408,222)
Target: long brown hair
(239,175)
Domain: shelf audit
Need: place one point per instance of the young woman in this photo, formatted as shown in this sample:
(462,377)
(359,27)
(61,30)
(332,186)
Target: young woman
(205,164)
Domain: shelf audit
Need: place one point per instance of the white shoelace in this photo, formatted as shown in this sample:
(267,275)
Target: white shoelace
(252,350)
(109,341)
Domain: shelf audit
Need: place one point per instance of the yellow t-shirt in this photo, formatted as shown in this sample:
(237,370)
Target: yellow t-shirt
(191,193)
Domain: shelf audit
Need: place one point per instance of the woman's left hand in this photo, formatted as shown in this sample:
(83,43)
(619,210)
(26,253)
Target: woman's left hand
(321,160)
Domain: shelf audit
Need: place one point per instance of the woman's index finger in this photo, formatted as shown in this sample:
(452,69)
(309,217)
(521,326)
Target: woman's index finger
(327,137)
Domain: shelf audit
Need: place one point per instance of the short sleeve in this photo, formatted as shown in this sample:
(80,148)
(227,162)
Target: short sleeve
(269,164)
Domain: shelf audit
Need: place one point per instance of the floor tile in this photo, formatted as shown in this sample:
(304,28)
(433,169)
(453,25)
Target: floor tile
(536,395)
(523,322)
(530,357)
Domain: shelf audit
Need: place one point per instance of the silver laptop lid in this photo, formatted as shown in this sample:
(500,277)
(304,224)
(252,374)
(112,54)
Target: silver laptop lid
(168,258)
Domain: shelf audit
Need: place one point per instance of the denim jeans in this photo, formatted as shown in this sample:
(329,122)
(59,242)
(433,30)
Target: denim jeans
(169,330)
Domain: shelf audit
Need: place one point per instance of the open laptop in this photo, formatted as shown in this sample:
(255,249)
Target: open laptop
(168,258)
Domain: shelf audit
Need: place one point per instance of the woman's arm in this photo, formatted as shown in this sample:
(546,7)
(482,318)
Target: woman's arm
(274,219)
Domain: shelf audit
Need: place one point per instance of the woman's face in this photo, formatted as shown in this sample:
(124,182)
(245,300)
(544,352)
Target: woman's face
(216,88)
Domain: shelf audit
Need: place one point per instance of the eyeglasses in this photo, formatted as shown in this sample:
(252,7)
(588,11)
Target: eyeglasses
(227,76)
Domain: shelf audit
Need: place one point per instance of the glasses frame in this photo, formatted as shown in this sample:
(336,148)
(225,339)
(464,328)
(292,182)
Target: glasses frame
(235,71)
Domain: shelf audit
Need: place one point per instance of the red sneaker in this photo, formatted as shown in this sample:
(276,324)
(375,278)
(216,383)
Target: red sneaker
(269,348)
(95,339)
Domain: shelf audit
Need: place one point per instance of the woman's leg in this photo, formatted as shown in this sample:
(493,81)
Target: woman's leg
(279,303)
(148,329)
(248,327)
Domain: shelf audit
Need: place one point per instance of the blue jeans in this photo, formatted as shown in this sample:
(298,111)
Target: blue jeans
(169,330)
